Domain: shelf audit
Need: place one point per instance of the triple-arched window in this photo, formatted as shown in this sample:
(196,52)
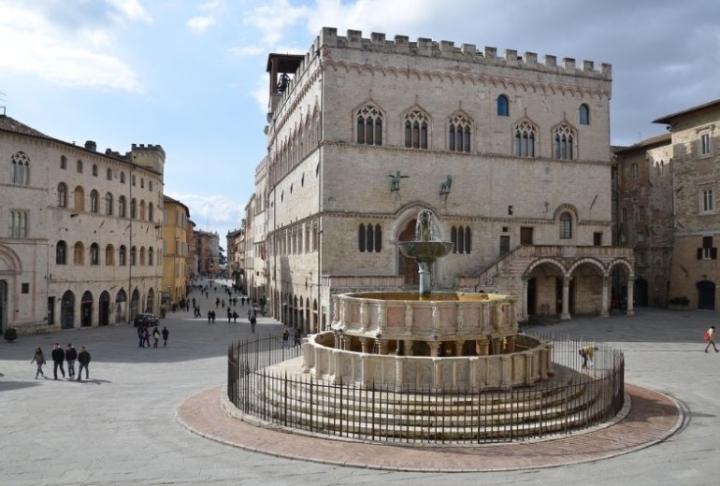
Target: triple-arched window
(369,126)
(564,143)
(461,237)
(524,141)
(459,133)
(416,130)
(369,238)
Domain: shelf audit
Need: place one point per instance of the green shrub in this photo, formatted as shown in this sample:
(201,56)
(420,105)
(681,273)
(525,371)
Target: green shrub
(11,334)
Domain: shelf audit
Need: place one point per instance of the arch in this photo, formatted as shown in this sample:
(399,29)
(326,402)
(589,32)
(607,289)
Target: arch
(502,105)
(10,263)
(584,114)
(94,201)
(621,262)
(109,204)
(79,253)
(79,199)
(67,310)
(564,208)
(134,304)
(104,310)
(94,254)
(587,260)
(120,306)
(460,132)
(62,195)
(61,253)
(540,261)
(86,309)
(417,128)
(150,303)
(109,255)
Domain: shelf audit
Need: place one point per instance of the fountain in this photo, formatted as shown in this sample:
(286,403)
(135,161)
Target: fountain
(418,366)
(425,249)
(429,340)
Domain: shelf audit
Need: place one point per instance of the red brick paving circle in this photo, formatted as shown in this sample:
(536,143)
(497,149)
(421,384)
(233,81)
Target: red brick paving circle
(651,419)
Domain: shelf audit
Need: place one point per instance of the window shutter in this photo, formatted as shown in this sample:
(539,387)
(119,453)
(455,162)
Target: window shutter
(699,253)
(713,253)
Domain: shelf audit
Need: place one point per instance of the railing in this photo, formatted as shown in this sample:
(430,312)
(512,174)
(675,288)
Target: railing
(573,399)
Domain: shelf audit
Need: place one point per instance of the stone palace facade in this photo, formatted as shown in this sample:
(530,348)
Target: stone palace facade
(510,152)
(81,242)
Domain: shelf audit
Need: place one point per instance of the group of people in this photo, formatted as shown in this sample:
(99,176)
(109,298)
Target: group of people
(143,333)
(297,337)
(59,356)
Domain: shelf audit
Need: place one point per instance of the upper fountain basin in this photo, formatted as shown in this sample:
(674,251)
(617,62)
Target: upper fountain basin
(425,250)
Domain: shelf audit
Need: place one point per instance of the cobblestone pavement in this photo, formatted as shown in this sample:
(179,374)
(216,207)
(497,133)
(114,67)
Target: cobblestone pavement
(119,428)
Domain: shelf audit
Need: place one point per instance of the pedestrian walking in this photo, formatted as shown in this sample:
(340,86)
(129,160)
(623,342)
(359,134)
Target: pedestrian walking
(39,359)
(229,314)
(156,337)
(212,316)
(146,337)
(286,337)
(242,301)
(710,338)
(235,317)
(70,357)
(587,353)
(58,357)
(165,334)
(209,317)
(141,337)
(84,360)
(253,322)
(298,336)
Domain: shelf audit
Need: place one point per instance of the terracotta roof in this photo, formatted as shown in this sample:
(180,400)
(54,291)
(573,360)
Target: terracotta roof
(667,119)
(663,138)
(8,124)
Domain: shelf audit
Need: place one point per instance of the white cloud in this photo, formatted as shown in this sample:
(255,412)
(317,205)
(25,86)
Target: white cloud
(64,56)
(198,25)
(212,213)
(212,12)
(260,92)
(130,10)
(272,18)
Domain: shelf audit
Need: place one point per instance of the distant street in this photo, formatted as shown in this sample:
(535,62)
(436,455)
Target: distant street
(119,427)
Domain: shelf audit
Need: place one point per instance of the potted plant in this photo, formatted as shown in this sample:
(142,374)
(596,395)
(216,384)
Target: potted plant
(679,303)
(10,334)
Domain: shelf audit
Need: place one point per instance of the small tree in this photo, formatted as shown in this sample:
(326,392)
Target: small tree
(11,334)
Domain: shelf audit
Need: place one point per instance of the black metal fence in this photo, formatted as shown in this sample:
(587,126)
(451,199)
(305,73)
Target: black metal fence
(261,385)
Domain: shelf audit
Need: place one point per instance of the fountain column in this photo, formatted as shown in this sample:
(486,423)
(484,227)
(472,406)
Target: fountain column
(424,271)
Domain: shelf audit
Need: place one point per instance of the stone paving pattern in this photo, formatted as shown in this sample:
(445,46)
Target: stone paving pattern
(120,427)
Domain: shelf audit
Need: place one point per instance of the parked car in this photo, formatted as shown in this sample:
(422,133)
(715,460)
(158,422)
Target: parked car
(145,319)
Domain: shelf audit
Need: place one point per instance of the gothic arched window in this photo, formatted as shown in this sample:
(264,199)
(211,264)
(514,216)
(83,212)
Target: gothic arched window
(369,126)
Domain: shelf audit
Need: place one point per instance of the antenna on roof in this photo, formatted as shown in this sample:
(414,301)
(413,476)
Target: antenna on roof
(2,107)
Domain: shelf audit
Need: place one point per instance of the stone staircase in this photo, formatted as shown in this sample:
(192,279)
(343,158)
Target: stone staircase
(570,400)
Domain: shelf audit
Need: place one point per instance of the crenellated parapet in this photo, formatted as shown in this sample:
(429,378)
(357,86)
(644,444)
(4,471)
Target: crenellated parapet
(466,53)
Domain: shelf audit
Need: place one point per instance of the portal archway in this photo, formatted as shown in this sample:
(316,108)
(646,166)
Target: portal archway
(86,309)
(67,310)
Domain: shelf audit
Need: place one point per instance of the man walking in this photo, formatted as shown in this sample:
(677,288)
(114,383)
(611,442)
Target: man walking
(710,338)
(165,334)
(71,356)
(58,357)
(84,360)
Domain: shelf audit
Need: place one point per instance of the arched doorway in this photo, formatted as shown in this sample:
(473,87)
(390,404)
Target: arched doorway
(3,305)
(641,292)
(135,304)
(706,294)
(120,306)
(315,316)
(67,310)
(407,267)
(104,315)
(86,309)
(150,307)
(544,289)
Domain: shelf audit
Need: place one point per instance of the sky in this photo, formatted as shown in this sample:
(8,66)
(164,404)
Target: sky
(190,75)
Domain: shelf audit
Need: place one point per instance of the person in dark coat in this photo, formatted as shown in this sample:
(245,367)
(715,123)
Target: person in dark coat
(71,356)
(84,360)
(165,334)
(58,357)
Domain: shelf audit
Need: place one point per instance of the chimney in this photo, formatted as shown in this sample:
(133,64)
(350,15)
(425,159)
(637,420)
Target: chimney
(90,145)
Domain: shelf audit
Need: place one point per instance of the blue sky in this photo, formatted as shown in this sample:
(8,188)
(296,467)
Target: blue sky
(190,75)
